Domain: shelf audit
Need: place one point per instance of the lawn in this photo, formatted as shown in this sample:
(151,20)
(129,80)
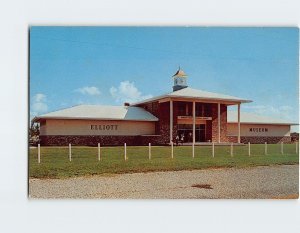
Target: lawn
(55,160)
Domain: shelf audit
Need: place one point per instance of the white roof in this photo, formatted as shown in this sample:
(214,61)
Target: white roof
(197,94)
(251,118)
(97,112)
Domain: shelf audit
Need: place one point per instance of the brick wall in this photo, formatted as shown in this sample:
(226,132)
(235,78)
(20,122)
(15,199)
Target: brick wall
(261,140)
(208,131)
(153,108)
(164,120)
(223,122)
(162,111)
(64,140)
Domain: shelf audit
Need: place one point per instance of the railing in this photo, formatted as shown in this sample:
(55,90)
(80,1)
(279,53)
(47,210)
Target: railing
(202,151)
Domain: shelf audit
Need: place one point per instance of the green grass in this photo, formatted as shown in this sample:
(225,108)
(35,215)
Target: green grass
(55,161)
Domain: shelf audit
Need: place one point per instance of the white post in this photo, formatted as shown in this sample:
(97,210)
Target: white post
(125,156)
(239,123)
(282,148)
(231,150)
(219,122)
(296,147)
(266,148)
(249,149)
(171,121)
(213,149)
(193,150)
(39,153)
(99,152)
(172,151)
(70,152)
(149,150)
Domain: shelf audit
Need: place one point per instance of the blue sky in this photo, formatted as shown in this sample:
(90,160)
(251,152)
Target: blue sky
(111,65)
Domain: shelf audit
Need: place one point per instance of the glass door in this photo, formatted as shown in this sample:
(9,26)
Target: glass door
(185,132)
(200,133)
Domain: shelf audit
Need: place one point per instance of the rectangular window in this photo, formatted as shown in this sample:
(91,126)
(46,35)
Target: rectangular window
(181,109)
(199,109)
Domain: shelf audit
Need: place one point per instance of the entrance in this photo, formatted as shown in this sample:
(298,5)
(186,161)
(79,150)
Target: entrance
(186,130)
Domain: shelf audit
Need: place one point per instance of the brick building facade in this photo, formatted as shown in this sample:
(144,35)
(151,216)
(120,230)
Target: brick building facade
(186,114)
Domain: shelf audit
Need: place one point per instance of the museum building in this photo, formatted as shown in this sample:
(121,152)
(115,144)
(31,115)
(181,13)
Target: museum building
(187,114)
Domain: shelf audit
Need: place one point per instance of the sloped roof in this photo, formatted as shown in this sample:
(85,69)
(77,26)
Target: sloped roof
(197,94)
(180,73)
(100,112)
(246,117)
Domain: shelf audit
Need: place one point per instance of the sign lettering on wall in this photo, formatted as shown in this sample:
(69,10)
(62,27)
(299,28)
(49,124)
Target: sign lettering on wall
(104,127)
(258,130)
(197,118)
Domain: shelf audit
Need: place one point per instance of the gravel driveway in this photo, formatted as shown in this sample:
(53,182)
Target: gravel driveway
(255,182)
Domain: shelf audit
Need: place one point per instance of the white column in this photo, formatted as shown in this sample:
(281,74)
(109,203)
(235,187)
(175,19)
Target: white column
(239,123)
(171,121)
(219,122)
(194,127)
(194,122)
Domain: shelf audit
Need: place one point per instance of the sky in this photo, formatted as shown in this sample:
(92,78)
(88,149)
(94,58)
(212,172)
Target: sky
(112,65)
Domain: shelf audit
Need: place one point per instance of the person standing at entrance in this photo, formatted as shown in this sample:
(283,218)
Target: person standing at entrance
(190,137)
(177,140)
(182,138)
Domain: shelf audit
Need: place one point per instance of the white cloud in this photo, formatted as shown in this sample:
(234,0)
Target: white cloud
(282,112)
(39,107)
(127,92)
(88,91)
(39,97)
(254,106)
(38,104)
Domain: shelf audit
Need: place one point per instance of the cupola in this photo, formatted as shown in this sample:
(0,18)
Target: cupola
(180,80)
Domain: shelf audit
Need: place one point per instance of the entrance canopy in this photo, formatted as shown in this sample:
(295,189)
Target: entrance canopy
(190,94)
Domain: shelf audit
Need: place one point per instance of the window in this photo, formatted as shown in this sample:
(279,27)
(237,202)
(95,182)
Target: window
(181,109)
(199,109)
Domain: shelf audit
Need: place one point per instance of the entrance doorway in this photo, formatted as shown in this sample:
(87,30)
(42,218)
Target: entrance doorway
(185,131)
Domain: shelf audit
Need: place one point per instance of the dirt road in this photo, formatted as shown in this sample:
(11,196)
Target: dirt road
(255,182)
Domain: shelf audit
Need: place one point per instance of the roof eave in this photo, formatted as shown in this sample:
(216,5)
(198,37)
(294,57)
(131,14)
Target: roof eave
(262,123)
(37,119)
(149,100)
(212,99)
(189,97)
(180,76)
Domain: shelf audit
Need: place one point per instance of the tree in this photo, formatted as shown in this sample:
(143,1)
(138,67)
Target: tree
(34,129)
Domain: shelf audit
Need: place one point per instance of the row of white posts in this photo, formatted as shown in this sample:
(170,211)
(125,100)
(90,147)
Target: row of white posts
(266,148)
(172,150)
